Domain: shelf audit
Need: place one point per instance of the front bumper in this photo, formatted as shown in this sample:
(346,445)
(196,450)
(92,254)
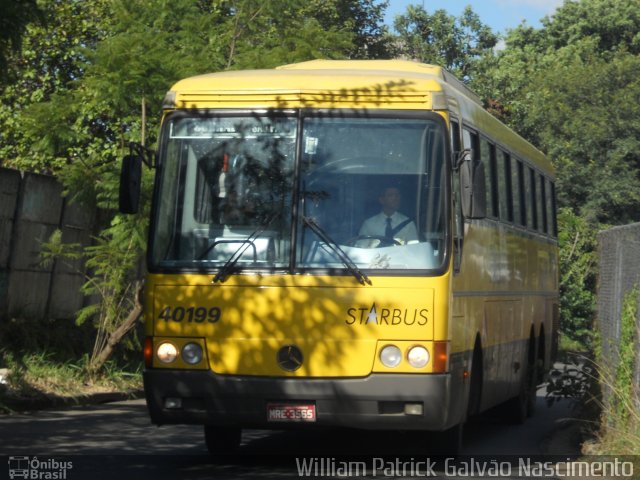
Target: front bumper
(373,402)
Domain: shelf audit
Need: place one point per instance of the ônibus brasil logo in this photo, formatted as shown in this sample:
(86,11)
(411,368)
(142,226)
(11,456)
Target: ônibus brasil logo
(33,468)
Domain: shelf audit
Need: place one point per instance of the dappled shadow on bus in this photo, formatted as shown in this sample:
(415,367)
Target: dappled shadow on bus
(260,312)
(238,217)
(343,101)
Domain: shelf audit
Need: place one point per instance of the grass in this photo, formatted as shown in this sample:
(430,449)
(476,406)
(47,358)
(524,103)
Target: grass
(47,359)
(567,344)
(40,376)
(619,432)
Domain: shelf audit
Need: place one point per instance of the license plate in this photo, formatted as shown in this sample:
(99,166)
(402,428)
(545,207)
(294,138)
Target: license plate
(287,412)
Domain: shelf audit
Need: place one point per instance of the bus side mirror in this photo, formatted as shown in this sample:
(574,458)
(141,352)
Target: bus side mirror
(130,184)
(472,186)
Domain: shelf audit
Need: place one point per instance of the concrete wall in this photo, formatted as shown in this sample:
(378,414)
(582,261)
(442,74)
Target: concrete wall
(31,209)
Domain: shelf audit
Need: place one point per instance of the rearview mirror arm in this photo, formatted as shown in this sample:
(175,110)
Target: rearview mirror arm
(147,155)
(460,157)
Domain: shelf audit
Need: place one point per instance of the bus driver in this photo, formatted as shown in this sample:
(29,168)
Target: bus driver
(390,223)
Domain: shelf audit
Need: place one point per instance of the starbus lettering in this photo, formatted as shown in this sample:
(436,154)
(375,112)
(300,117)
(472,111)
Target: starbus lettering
(387,316)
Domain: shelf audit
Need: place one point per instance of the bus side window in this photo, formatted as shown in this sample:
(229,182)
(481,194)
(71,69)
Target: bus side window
(488,158)
(517,176)
(549,206)
(554,217)
(532,219)
(542,204)
(504,187)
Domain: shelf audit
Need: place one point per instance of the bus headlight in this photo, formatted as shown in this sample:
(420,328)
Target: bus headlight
(418,357)
(390,356)
(192,353)
(167,352)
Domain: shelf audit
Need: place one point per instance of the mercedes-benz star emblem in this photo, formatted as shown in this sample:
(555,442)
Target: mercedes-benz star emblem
(290,358)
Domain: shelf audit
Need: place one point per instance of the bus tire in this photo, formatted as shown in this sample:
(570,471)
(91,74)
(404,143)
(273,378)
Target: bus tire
(522,406)
(533,380)
(475,385)
(222,440)
(517,407)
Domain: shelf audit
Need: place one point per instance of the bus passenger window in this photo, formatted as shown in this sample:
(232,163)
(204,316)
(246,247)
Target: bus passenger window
(548,185)
(517,184)
(504,187)
(542,204)
(488,158)
(532,219)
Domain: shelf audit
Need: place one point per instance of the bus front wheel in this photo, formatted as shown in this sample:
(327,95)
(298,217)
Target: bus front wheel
(222,440)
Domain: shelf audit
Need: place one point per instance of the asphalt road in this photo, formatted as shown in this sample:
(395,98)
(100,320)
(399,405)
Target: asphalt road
(116,441)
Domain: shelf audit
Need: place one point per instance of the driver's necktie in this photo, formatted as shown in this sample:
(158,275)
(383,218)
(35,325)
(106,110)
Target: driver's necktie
(388,231)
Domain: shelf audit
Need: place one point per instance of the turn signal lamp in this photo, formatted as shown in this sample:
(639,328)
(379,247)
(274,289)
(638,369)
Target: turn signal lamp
(148,352)
(440,357)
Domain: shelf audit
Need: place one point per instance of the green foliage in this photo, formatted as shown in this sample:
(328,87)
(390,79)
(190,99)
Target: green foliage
(627,350)
(50,61)
(113,262)
(363,19)
(80,81)
(41,377)
(620,420)
(577,242)
(612,24)
(587,118)
(16,15)
(572,88)
(61,338)
(23,371)
(264,34)
(442,39)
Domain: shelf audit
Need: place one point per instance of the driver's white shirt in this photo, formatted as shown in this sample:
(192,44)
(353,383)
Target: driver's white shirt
(376,226)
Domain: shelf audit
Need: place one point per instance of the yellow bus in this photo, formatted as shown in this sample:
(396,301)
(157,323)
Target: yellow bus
(343,243)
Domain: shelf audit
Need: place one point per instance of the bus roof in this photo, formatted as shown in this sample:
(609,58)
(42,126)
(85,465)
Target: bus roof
(403,67)
(349,84)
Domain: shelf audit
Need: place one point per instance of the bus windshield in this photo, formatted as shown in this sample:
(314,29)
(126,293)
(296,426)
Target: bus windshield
(303,191)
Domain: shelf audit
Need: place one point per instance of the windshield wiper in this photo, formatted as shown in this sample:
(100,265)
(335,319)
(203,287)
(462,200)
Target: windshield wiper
(335,248)
(226,269)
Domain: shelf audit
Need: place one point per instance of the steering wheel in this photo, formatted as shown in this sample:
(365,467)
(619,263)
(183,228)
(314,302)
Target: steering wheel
(382,241)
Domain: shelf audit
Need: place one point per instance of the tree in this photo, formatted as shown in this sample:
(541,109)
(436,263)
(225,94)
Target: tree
(442,39)
(263,34)
(572,88)
(16,15)
(586,118)
(364,19)
(613,25)
(52,57)
(577,240)
(76,105)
